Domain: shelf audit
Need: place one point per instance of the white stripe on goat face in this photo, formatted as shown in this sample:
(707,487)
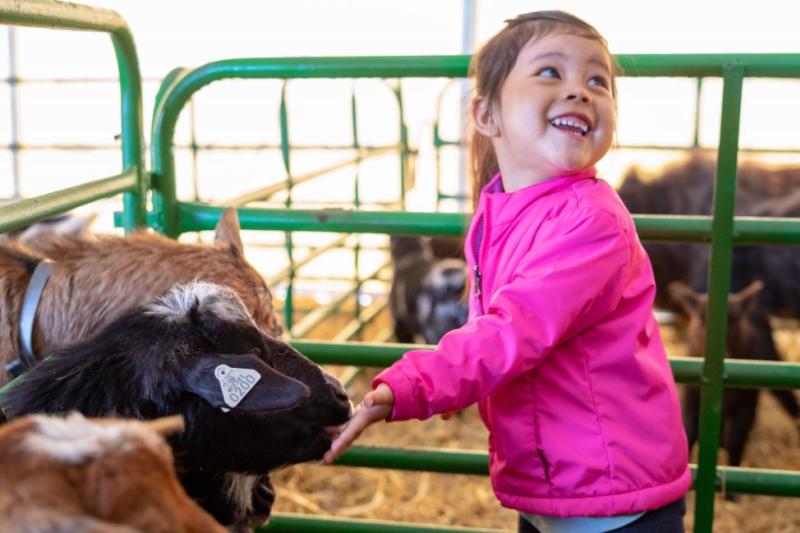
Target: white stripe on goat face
(74,439)
(208,297)
(239,490)
(448,274)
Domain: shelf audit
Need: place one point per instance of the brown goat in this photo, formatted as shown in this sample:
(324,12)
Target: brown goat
(749,336)
(686,187)
(92,475)
(64,225)
(95,280)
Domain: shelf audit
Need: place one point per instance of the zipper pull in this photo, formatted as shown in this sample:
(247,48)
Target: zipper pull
(477,280)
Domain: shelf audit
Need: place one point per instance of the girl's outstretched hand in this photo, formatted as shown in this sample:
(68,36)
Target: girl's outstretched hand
(376,406)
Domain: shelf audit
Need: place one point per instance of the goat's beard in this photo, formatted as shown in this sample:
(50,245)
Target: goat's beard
(233,499)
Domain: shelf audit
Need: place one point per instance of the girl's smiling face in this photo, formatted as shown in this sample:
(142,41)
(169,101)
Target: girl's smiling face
(556,113)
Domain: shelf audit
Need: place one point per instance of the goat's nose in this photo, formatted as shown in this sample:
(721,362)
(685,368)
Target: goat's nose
(338,390)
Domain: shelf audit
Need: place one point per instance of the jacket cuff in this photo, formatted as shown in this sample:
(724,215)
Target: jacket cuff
(402,390)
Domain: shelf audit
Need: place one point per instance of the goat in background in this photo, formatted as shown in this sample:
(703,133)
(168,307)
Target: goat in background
(426,298)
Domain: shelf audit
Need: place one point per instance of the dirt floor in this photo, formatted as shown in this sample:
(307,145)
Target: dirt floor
(461,500)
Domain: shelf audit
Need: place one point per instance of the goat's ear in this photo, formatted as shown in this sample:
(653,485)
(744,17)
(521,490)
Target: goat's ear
(684,296)
(631,177)
(166,425)
(228,231)
(241,381)
(746,299)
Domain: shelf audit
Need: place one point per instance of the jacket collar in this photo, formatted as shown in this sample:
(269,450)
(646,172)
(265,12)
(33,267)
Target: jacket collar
(506,205)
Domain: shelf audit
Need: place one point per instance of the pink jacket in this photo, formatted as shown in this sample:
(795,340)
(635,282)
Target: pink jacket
(563,354)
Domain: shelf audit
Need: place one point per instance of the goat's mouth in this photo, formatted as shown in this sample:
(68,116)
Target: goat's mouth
(313,449)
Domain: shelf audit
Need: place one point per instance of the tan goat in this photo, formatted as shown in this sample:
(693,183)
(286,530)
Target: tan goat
(95,279)
(93,475)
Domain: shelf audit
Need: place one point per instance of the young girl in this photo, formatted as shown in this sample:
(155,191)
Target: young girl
(561,349)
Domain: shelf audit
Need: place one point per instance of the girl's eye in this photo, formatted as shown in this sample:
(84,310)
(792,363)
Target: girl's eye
(548,72)
(598,81)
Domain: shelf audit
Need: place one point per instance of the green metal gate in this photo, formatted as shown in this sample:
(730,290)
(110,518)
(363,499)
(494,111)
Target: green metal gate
(174,217)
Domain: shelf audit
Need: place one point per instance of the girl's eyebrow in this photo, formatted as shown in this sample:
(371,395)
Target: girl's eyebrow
(594,60)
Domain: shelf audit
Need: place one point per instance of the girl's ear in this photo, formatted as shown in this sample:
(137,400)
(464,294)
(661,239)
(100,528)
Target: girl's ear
(483,117)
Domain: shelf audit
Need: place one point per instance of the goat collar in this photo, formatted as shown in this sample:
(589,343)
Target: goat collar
(27,317)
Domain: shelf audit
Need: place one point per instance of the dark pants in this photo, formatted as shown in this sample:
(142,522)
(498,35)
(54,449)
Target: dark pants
(667,519)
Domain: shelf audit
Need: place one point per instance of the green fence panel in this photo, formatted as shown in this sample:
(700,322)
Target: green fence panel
(62,15)
(722,230)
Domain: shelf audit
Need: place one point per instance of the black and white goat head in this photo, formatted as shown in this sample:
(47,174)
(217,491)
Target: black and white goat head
(251,402)
(426,298)
(441,305)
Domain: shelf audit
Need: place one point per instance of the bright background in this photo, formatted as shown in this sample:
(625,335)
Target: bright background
(182,33)
(83,111)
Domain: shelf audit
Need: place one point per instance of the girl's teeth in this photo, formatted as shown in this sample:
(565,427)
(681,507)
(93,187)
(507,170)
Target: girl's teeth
(571,122)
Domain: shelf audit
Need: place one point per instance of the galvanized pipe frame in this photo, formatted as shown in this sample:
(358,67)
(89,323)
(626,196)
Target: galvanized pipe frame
(668,228)
(30,210)
(180,84)
(297,523)
(770,482)
(184,83)
(61,15)
(721,233)
(719,279)
(736,373)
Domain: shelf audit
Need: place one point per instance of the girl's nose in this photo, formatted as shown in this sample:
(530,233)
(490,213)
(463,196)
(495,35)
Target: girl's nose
(578,94)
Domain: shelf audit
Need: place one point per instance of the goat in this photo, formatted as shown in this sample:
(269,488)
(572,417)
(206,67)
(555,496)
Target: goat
(95,280)
(63,225)
(778,266)
(77,474)
(686,188)
(426,298)
(749,336)
(187,353)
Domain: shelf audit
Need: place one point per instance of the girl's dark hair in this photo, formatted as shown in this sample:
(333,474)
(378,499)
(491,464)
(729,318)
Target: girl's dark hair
(492,64)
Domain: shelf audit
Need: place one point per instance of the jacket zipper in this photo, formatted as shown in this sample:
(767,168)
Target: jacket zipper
(479,236)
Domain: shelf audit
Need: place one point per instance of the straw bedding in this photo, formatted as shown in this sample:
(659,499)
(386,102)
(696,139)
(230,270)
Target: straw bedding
(462,500)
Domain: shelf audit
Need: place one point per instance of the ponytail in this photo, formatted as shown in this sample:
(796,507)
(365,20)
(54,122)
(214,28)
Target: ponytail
(483,163)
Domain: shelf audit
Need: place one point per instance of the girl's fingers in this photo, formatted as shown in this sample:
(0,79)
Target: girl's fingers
(362,419)
(338,446)
(376,405)
(382,395)
(351,431)
(333,431)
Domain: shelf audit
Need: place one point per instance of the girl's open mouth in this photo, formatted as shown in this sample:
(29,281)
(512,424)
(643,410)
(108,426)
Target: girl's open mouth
(571,124)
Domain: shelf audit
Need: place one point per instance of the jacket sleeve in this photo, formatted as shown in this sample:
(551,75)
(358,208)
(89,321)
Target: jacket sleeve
(571,278)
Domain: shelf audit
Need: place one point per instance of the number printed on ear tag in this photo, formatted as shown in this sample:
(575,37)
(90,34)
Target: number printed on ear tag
(236,383)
